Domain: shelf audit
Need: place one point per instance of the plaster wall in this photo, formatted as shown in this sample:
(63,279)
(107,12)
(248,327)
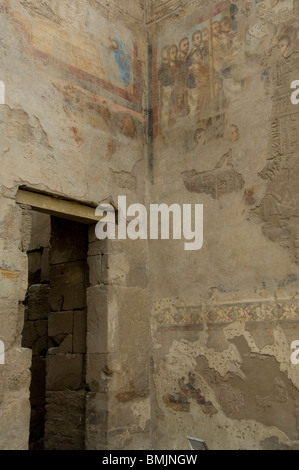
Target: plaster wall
(196,342)
(72,125)
(225,135)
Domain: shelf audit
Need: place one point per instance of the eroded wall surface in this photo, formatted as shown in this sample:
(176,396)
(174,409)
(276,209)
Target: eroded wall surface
(225,135)
(71,124)
(77,86)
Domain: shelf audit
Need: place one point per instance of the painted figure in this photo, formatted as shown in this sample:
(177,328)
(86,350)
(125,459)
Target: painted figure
(171,76)
(219,51)
(205,37)
(163,73)
(285,46)
(200,137)
(183,50)
(192,81)
(196,44)
(205,49)
(216,32)
(122,61)
(177,79)
(225,27)
(198,85)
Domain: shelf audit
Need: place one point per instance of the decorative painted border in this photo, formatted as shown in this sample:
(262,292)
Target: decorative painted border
(228,313)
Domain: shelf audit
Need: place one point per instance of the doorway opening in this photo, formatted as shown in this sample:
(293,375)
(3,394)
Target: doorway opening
(55,330)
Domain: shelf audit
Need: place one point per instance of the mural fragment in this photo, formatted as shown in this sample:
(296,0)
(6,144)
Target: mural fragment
(192,75)
(105,61)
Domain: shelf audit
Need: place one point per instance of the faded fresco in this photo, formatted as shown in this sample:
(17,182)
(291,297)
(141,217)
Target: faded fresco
(222,334)
(201,70)
(196,73)
(108,62)
(192,76)
(216,362)
(72,126)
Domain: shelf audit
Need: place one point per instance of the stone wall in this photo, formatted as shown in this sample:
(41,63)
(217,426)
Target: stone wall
(74,77)
(162,102)
(35,332)
(15,372)
(66,356)
(118,360)
(225,135)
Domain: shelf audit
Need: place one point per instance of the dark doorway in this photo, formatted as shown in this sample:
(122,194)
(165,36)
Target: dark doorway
(55,330)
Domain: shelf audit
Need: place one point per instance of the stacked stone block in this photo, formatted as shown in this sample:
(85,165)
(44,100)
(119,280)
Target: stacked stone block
(35,333)
(65,379)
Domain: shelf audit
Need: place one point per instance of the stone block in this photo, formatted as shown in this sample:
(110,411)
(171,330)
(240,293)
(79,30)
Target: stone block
(114,269)
(35,336)
(65,420)
(60,323)
(96,248)
(14,421)
(68,291)
(126,376)
(38,302)
(64,372)
(65,346)
(95,265)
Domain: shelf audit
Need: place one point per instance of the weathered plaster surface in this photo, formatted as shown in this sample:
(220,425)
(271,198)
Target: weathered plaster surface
(226,136)
(74,75)
(91,112)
